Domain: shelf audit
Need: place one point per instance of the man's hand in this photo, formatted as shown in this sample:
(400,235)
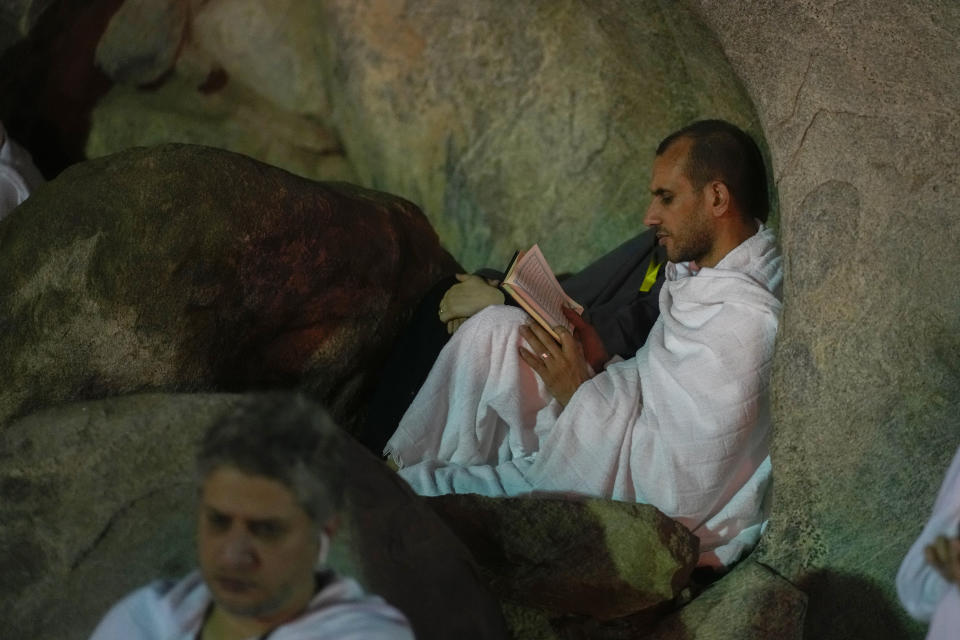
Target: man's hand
(561,365)
(466,298)
(944,556)
(593,349)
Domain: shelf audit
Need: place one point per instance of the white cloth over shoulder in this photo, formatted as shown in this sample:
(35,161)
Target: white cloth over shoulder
(18,175)
(164,610)
(925,594)
(684,425)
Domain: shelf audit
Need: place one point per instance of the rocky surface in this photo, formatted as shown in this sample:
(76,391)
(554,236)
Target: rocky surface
(493,121)
(99,499)
(751,603)
(189,268)
(142,40)
(500,121)
(860,107)
(586,557)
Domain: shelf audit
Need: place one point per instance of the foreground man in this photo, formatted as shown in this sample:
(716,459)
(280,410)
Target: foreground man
(268,498)
(683,425)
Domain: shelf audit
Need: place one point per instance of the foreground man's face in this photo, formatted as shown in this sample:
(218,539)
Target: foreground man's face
(677,210)
(256,545)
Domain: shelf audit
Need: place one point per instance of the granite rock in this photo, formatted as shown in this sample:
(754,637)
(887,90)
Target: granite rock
(860,108)
(188,268)
(99,499)
(142,40)
(750,603)
(585,557)
(535,122)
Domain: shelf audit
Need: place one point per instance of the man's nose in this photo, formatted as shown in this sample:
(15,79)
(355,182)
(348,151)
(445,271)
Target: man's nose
(238,550)
(650,218)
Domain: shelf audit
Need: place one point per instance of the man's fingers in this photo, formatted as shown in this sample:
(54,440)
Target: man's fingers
(575,319)
(463,277)
(567,341)
(540,341)
(536,362)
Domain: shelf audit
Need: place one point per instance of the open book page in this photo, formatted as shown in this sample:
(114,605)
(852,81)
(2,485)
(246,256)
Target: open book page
(531,282)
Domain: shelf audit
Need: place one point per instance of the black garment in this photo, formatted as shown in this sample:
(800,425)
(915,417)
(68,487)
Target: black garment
(609,290)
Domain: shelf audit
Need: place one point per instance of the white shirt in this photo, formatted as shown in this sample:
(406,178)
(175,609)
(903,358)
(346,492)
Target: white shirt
(165,610)
(925,594)
(18,175)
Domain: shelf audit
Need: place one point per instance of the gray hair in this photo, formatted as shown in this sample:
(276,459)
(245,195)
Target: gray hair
(283,437)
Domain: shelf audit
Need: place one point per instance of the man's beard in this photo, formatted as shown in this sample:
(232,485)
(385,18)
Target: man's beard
(694,245)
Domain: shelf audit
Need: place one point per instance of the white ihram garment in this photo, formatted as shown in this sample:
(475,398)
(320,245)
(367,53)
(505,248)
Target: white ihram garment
(925,594)
(18,176)
(683,425)
(164,610)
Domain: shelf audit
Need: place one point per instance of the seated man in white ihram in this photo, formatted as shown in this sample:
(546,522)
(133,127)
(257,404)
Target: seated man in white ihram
(270,483)
(684,425)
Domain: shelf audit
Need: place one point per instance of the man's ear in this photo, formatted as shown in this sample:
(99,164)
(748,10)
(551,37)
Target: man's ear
(718,197)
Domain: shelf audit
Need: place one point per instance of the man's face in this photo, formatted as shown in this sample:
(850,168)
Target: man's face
(257,547)
(683,224)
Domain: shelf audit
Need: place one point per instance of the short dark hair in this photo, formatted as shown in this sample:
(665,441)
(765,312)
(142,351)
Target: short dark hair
(283,437)
(722,151)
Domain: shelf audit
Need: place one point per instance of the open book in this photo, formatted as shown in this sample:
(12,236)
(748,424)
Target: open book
(531,282)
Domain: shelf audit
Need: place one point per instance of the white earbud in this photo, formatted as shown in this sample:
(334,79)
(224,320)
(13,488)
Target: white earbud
(323,548)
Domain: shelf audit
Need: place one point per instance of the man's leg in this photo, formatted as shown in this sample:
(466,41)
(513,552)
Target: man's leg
(480,404)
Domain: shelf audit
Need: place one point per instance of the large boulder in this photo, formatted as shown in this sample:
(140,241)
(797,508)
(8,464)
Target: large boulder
(99,498)
(535,123)
(860,107)
(587,557)
(189,268)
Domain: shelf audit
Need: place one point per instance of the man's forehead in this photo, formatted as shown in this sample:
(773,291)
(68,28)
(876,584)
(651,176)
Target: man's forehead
(253,497)
(669,168)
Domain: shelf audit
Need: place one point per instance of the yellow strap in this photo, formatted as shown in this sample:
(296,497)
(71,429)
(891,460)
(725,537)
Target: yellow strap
(652,269)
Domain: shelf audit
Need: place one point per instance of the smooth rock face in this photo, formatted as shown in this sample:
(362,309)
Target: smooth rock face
(861,107)
(99,499)
(751,603)
(535,122)
(588,557)
(189,268)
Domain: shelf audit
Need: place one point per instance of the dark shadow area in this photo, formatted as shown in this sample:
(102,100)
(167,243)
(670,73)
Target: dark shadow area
(49,83)
(842,606)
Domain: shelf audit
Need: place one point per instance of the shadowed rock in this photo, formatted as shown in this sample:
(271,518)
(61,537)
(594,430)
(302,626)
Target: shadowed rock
(189,268)
(99,498)
(142,40)
(751,603)
(587,556)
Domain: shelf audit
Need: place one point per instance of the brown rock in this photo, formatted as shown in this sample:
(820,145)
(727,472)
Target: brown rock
(584,556)
(190,268)
(99,498)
